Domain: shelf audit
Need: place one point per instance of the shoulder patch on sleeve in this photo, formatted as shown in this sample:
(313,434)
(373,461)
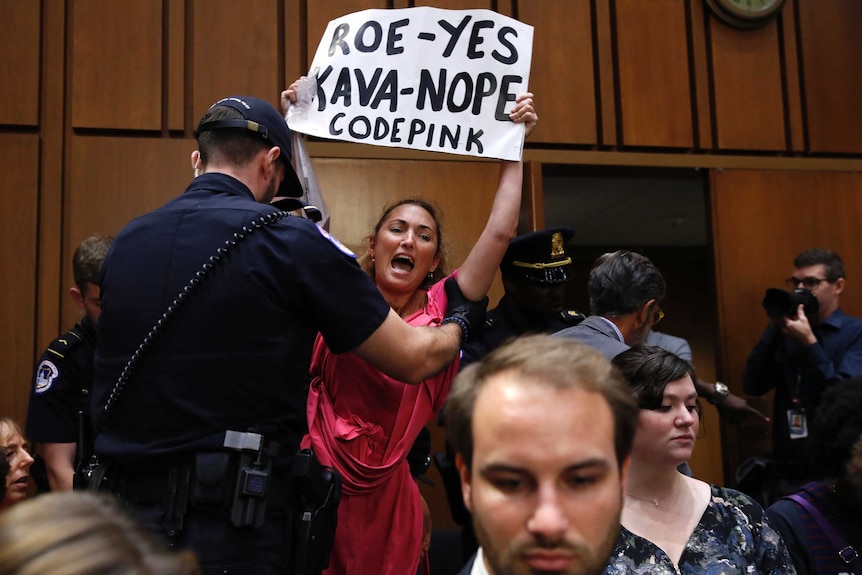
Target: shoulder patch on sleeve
(64,343)
(46,375)
(344,249)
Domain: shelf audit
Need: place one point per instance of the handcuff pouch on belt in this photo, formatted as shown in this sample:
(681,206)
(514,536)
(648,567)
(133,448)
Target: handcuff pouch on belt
(253,480)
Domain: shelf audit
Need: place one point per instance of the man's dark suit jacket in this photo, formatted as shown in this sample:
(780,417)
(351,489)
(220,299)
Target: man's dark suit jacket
(468,567)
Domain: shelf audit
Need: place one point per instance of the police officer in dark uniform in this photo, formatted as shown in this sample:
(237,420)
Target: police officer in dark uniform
(59,409)
(534,271)
(210,306)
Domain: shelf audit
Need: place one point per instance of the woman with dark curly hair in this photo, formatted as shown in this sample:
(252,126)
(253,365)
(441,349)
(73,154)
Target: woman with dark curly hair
(674,524)
(837,500)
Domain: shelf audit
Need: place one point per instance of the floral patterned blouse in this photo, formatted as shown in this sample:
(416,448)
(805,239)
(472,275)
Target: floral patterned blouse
(732,537)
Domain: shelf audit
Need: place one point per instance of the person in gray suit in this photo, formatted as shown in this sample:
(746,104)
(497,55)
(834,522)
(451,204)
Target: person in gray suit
(676,345)
(542,428)
(626,290)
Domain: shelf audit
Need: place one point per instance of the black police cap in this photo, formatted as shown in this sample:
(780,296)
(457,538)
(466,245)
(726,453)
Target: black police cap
(265,121)
(540,256)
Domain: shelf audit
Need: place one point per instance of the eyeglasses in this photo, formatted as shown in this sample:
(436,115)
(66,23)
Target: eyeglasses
(808,283)
(657,315)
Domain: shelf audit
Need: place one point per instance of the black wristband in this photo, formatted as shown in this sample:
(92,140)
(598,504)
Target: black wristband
(465,330)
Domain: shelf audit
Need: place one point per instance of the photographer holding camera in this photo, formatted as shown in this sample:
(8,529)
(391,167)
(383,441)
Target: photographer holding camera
(808,345)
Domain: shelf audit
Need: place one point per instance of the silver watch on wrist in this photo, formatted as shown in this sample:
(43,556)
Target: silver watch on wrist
(721,392)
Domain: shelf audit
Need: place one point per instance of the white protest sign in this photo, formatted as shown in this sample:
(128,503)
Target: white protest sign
(421,78)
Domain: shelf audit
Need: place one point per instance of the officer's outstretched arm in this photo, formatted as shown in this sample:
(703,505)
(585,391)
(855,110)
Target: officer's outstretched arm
(59,459)
(410,354)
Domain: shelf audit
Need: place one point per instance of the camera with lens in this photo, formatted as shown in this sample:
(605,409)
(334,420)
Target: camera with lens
(779,303)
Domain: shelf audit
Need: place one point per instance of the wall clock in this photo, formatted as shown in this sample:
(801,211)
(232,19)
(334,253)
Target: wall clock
(746,13)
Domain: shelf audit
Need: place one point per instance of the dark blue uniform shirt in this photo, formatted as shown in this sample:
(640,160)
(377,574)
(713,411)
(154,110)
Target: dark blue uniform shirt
(61,388)
(237,352)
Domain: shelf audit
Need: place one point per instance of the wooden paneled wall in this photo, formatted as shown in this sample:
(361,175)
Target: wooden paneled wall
(19,46)
(20,52)
(831,57)
(669,74)
(615,73)
(100,99)
(19,226)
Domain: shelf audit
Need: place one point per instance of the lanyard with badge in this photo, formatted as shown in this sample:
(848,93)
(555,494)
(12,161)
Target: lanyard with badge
(797,422)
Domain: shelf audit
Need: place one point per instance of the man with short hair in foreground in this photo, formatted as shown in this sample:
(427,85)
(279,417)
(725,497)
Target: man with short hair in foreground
(542,428)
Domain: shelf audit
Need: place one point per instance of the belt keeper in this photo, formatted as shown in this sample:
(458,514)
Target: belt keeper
(242,440)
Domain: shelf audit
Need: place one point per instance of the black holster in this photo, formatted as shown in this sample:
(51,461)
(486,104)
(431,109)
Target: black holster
(313,497)
(94,475)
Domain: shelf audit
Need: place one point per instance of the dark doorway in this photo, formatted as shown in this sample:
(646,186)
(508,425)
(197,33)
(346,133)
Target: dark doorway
(661,213)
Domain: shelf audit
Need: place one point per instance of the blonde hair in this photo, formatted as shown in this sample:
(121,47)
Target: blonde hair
(8,429)
(82,533)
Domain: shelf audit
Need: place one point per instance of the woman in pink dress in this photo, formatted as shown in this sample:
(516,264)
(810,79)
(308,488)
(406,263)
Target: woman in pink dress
(363,423)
